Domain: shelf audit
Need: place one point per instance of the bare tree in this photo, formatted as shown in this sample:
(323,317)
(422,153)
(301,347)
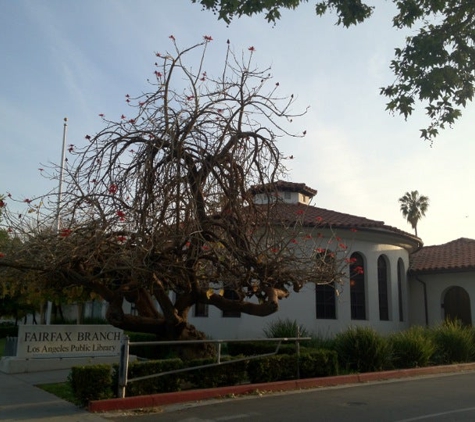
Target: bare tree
(158,207)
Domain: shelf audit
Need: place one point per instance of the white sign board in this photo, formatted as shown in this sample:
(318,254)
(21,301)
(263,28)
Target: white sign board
(52,341)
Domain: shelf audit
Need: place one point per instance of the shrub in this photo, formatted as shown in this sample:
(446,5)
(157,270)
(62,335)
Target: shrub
(362,349)
(412,348)
(272,368)
(318,363)
(91,382)
(259,348)
(8,330)
(285,328)
(454,343)
(217,376)
(160,384)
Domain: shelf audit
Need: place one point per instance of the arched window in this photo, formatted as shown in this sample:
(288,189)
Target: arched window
(400,279)
(325,302)
(383,279)
(357,287)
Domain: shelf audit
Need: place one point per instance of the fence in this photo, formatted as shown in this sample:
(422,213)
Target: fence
(126,343)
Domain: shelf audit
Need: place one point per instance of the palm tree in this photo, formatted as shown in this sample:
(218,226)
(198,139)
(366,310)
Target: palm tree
(414,207)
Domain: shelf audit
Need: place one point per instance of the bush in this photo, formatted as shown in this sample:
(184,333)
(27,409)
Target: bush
(318,363)
(454,343)
(260,348)
(412,348)
(284,328)
(217,376)
(362,349)
(91,382)
(8,330)
(161,384)
(272,368)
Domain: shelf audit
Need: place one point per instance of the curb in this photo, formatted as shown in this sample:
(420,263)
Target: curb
(153,400)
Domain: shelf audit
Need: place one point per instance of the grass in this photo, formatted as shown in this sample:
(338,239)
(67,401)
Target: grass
(62,390)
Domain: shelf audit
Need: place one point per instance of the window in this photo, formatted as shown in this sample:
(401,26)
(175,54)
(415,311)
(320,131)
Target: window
(231,295)
(383,288)
(201,310)
(400,278)
(325,301)
(357,287)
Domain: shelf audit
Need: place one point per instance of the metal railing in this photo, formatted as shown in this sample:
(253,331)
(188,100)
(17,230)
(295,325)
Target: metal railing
(126,343)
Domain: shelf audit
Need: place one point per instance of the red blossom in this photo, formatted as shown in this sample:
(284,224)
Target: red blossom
(299,212)
(158,74)
(123,117)
(113,189)
(65,232)
(2,255)
(28,201)
(158,54)
(320,250)
(358,270)
(274,250)
(70,147)
(2,203)
(205,248)
(342,246)
(88,137)
(121,239)
(308,236)
(132,121)
(319,219)
(293,241)
(101,114)
(172,37)
(251,48)
(208,38)
(10,230)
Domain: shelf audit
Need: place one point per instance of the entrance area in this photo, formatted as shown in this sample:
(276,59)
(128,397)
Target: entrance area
(457,305)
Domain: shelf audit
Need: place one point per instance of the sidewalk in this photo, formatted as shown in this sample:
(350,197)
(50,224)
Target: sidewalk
(20,400)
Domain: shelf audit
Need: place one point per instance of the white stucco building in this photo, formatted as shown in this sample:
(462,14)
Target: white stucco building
(401,283)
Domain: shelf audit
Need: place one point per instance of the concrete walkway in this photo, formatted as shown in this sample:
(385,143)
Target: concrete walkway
(20,400)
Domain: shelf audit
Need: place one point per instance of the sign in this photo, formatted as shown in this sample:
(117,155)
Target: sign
(53,341)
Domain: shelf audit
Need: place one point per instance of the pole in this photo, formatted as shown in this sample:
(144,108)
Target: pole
(123,366)
(58,210)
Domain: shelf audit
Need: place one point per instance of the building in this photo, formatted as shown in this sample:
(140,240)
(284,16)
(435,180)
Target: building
(401,283)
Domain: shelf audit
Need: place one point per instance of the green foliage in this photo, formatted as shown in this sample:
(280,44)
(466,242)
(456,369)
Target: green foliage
(217,376)
(362,349)
(160,384)
(285,328)
(318,363)
(272,368)
(259,348)
(8,330)
(412,348)
(91,382)
(454,343)
(62,390)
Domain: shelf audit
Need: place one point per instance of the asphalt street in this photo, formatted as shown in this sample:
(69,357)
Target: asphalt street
(436,398)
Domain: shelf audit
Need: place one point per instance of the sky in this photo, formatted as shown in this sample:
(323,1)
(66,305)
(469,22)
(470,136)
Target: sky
(79,59)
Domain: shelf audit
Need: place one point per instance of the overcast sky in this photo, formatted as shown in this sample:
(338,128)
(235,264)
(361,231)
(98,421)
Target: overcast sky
(77,59)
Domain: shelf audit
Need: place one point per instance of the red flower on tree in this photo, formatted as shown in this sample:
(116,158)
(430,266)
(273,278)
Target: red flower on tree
(208,38)
(113,189)
(2,203)
(2,255)
(65,232)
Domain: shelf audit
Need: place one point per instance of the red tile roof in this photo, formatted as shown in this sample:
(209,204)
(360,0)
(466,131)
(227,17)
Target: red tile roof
(458,255)
(314,216)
